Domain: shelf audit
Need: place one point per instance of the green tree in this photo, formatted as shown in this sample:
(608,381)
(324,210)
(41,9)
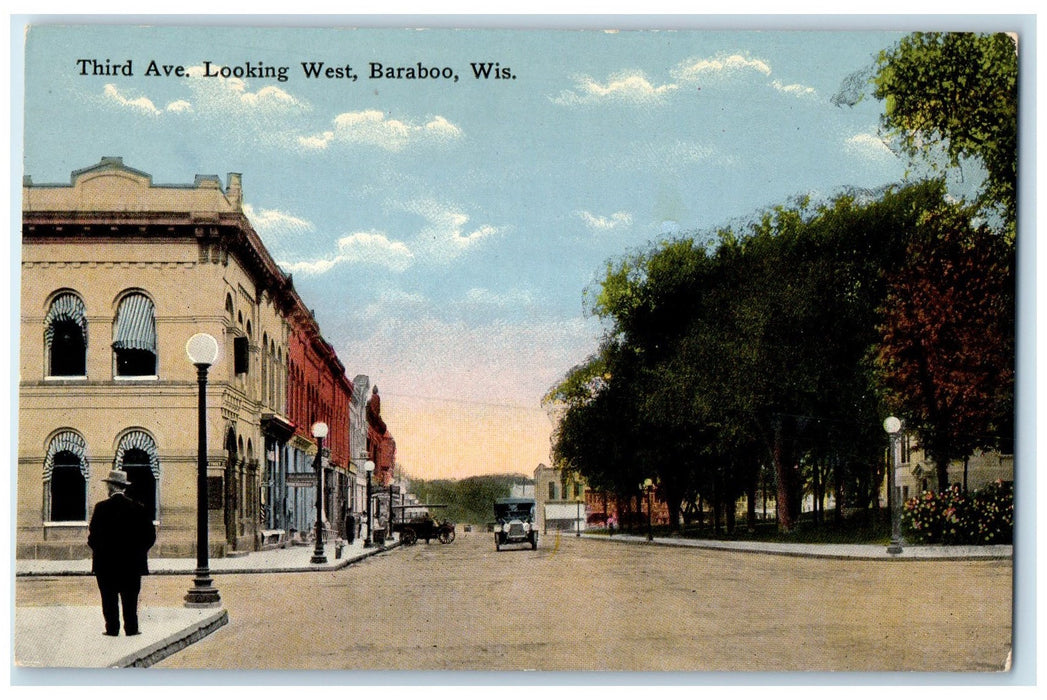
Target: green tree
(957,92)
(722,357)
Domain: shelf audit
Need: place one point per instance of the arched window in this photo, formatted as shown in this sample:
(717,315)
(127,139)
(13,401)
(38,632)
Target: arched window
(137,456)
(266,368)
(65,478)
(65,335)
(134,337)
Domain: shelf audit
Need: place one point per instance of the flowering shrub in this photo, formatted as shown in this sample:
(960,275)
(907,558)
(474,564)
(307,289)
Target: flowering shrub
(953,517)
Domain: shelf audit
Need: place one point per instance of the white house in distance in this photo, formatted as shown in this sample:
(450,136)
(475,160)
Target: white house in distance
(561,505)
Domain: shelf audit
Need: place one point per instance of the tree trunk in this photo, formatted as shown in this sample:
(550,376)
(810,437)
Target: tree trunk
(817,516)
(674,503)
(750,511)
(941,466)
(782,457)
(838,494)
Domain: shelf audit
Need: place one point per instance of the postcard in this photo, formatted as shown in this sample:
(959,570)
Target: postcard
(449,348)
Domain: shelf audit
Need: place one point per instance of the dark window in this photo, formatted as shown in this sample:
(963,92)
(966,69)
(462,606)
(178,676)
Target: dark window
(68,489)
(215,493)
(143,483)
(68,350)
(135,363)
(552,490)
(240,355)
(65,335)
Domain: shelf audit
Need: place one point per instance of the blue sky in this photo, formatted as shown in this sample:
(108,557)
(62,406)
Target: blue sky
(445,231)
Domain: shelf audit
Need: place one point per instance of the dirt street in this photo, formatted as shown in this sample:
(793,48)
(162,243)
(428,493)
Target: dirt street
(577,604)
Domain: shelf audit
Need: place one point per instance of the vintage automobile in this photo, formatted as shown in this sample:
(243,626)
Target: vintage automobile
(515,522)
(420,525)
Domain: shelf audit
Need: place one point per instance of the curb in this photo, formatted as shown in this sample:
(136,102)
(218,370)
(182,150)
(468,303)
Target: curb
(154,653)
(245,569)
(336,566)
(913,553)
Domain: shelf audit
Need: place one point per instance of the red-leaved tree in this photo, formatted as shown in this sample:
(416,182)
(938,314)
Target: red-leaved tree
(947,350)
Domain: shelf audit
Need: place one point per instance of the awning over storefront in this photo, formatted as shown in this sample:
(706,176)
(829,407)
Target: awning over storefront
(277,426)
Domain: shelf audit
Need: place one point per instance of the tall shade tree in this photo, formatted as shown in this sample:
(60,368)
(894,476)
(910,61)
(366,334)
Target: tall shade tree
(753,350)
(958,92)
(947,354)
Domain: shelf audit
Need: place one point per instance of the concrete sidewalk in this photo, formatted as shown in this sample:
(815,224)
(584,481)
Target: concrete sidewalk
(823,551)
(65,636)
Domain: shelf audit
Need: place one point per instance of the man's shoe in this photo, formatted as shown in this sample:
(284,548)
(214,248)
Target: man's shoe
(131,634)
(111,634)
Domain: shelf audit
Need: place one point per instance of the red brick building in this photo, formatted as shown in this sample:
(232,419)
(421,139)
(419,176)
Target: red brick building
(318,390)
(381,447)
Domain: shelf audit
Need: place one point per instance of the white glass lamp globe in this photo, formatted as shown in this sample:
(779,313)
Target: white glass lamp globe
(892,425)
(202,349)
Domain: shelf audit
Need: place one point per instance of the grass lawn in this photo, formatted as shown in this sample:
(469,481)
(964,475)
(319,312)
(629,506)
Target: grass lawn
(859,528)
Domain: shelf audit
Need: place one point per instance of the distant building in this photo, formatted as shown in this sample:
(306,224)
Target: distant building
(916,472)
(521,491)
(561,500)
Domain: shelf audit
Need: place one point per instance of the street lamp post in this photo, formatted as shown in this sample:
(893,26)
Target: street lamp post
(893,427)
(578,519)
(648,486)
(319,432)
(369,468)
(202,350)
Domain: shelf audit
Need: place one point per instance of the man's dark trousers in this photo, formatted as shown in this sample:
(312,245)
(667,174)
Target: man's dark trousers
(119,590)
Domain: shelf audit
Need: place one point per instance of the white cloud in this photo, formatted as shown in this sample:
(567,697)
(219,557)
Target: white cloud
(179,106)
(232,95)
(360,248)
(142,104)
(373,128)
(446,236)
(309,267)
(695,69)
(794,89)
(316,143)
(375,248)
(868,146)
(625,86)
(273,221)
(605,223)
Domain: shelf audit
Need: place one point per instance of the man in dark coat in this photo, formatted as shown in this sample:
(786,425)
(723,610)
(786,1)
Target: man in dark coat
(120,535)
(350,527)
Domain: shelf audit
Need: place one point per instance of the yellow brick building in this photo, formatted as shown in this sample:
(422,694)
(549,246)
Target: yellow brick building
(117,274)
